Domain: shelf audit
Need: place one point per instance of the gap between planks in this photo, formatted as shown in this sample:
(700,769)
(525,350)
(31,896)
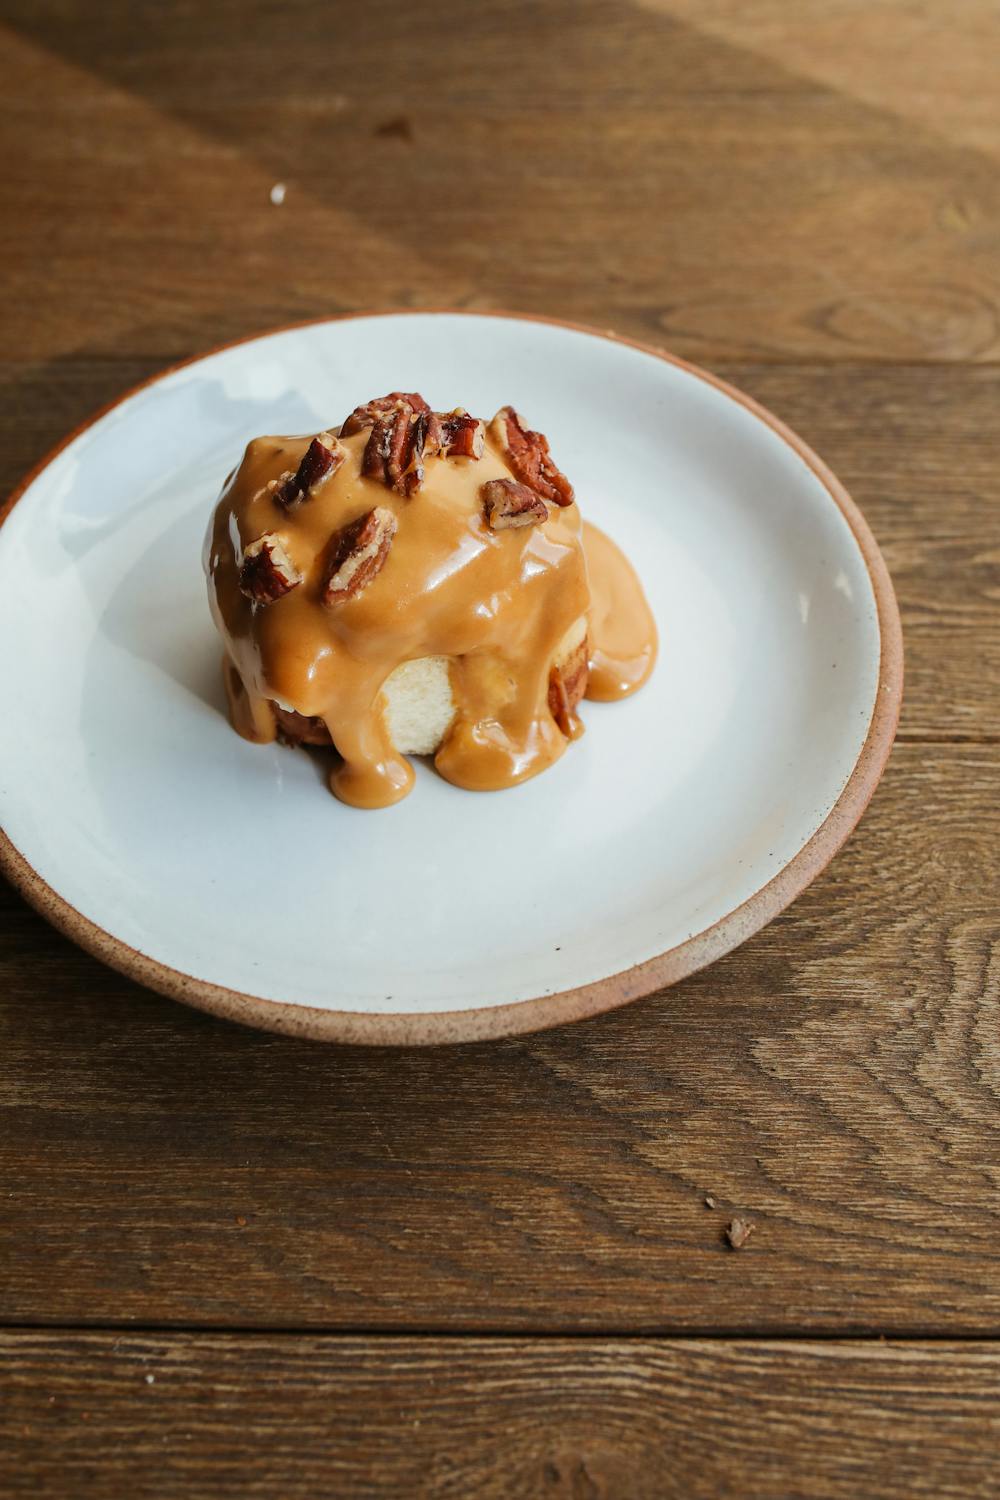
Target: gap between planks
(595,1334)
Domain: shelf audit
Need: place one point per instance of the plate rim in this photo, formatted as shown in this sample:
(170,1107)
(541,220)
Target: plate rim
(519,1017)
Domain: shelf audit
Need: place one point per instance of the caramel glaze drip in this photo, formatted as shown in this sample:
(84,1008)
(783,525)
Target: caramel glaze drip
(497,603)
(620,625)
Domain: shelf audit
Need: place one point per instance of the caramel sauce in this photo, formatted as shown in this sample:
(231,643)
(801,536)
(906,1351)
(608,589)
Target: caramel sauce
(621,628)
(500,605)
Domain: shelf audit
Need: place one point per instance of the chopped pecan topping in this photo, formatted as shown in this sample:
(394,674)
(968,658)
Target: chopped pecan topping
(738,1231)
(382,406)
(528,455)
(559,704)
(299,729)
(322,458)
(359,553)
(455,434)
(507,503)
(267,572)
(404,431)
(394,453)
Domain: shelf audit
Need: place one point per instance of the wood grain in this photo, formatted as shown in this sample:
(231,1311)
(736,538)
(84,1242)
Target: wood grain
(596,160)
(807,199)
(837,1079)
(924,63)
(915,446)
(159,1416)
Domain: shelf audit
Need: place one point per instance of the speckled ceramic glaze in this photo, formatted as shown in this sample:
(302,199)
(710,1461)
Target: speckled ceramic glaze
(227,876)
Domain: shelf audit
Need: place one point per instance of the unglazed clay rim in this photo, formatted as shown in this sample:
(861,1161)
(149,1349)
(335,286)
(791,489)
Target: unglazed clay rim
(522,1016)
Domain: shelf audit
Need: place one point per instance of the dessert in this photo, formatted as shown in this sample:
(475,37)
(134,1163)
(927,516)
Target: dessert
(418,583)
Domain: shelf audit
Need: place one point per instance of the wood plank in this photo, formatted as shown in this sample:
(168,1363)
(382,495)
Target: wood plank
(161,1416)
(837,1079)
(914,445)
(715,189)
(892,54)
(807,199)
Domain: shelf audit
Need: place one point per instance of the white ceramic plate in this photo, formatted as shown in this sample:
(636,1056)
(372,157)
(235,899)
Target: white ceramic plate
(228,876)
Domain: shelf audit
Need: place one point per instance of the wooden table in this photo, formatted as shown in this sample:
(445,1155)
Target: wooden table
(235,1264)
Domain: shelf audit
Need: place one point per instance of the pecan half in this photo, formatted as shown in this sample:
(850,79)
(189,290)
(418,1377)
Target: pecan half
(322,458)
(507,503)
(528,455)
(381,406)
(455,434)
(359,553)
(394,452)
(267,572)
